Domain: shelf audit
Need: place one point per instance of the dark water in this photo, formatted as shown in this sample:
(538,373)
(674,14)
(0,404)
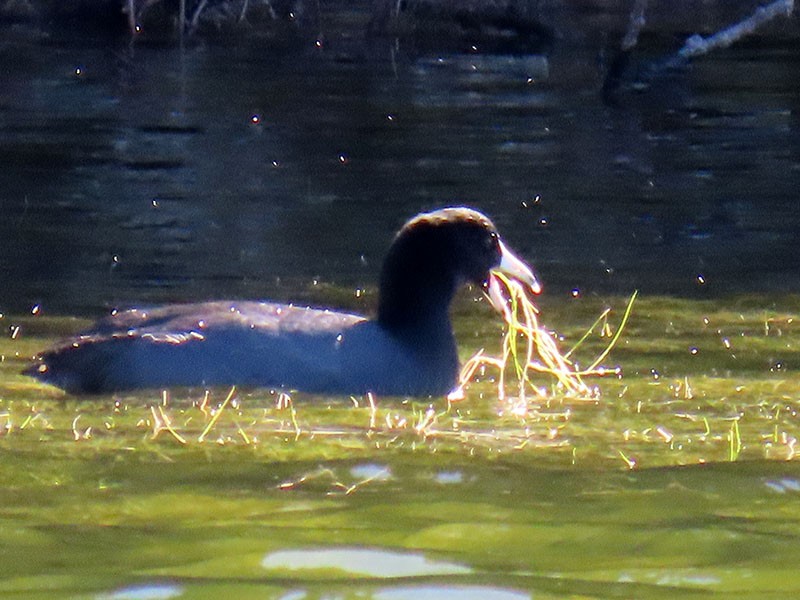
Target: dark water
(244,170)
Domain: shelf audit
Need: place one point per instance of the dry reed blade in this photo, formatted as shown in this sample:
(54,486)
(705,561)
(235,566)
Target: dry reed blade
(540,353)
(217,415)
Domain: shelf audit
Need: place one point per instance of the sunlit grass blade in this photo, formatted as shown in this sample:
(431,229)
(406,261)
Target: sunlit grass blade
(585,336)
(614,339)
(540,353)
(217,415)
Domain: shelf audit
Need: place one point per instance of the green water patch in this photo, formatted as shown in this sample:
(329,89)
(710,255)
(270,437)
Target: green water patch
(675,478)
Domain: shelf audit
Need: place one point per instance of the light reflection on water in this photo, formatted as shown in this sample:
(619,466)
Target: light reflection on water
(372,472)
(784,485)
(364,562)
(145,592)
(426,592)
(449,477)
(450,592)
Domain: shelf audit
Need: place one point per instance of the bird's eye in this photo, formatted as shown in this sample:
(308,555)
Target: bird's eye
(490,242)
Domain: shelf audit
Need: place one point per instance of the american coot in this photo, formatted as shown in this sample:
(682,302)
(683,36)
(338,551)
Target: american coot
(408,350)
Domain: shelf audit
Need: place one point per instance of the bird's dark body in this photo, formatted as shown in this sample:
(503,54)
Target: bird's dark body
(408,350)
(249,344)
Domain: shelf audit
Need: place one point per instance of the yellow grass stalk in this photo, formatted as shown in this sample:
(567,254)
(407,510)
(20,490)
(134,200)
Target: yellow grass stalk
(217,415)
(534,350)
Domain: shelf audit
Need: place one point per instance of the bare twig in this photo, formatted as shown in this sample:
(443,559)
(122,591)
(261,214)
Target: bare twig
(697,45)
(196,16)
(132,17)
(635,25)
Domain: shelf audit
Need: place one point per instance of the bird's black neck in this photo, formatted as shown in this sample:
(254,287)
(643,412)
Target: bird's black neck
(416,289)
(416,310)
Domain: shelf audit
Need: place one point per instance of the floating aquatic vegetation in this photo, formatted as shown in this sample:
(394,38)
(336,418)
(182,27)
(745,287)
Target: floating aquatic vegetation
(530,349)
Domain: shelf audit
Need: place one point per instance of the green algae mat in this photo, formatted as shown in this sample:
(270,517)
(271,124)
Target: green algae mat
(675,477)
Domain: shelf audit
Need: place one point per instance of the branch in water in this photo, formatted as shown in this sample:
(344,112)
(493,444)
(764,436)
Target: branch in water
(635,26)
(697,45)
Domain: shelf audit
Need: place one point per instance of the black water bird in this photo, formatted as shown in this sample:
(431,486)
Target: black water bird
(407,350)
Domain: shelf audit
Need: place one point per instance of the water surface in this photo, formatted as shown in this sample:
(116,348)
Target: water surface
(143,174)
(138,174)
